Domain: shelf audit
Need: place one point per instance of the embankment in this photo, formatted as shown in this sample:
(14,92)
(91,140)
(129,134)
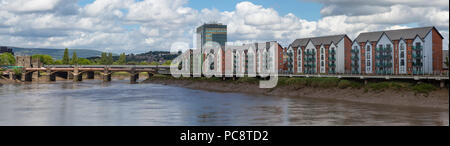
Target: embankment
(386,93)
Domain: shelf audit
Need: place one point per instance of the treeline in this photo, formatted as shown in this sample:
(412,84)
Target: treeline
(7,59)
(104,59)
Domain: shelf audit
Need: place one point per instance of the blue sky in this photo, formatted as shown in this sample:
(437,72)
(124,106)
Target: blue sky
(303,9)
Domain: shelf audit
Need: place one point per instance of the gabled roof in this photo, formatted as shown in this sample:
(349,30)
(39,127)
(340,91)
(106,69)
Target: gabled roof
(398,34)
(324,40)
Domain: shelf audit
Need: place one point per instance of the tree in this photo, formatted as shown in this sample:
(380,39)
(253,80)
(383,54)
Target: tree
(154,63)
(84,61)
(110,59)
(74,58)
(103,59)
(58,62)
(168,62)
(122,59)
(7,59)
(143,63)
(45,59)
(66,59)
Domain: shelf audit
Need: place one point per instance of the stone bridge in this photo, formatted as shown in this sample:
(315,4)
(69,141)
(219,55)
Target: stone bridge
(77,71)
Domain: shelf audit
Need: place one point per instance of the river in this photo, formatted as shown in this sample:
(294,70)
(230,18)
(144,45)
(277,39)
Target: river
(92,102)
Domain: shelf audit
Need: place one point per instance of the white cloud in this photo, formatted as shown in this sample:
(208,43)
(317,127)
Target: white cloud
(138,26)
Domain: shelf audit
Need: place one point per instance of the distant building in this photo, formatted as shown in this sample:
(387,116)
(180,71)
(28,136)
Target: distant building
(4,49)
(211,32)
(214,32)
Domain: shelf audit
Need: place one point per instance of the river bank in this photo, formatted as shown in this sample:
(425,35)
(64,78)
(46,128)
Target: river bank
(385,93)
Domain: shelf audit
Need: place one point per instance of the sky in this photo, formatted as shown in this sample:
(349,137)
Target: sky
(137,26)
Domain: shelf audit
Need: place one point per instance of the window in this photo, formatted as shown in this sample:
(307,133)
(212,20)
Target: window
(321,51)
(402,54)
(368,63)
(368,48)
(402,62)
(402,47)
(322,64)
(321,57)
(388,46)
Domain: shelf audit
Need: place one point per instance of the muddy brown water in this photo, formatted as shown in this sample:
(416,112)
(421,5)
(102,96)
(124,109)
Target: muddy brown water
(92,102)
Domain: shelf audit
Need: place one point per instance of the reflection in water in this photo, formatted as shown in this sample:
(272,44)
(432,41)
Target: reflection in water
(119,103)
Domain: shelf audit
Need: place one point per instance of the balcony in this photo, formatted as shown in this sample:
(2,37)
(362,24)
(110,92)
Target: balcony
(417,56)
(355,64)
(417,64)
(331,58)
(417,71)
(332,52)
(388,50)
(417,48)
(331,65)
(387,57)
(387,64)
(378,49)
(378,56)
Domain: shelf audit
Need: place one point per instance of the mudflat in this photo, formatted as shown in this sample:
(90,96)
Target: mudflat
(436,99)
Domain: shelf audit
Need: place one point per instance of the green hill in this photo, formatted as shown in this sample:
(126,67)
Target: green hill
(55,53)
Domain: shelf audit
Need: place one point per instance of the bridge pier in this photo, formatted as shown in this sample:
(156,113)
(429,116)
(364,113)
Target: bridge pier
(106,75)
(69,75)
(11,76)
(134,77)
(78,77)
(51,77)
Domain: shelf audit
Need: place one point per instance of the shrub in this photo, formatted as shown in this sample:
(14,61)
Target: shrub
(247,80)
(423,88)
(343,84)
(378,86)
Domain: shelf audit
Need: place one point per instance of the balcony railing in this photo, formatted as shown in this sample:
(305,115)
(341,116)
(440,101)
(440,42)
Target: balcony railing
(378,49)
(417,48)
(331,58)
(417,56)
(332,52)
(331,65)
(355,64)
(387,50)
(387,57)
(417,64)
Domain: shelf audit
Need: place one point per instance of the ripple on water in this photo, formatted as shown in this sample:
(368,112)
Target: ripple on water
(119,103)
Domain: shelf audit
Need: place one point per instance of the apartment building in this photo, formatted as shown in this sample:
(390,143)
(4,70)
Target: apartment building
(402,51)
(325,54)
